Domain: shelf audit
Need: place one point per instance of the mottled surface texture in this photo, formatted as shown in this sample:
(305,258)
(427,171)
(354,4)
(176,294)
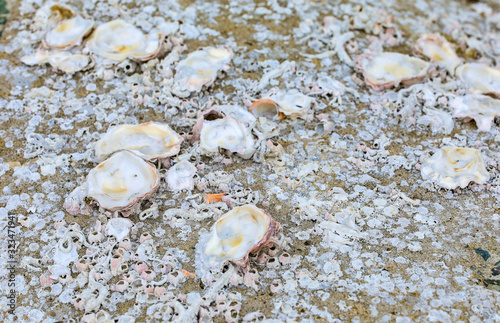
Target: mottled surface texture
(364,238)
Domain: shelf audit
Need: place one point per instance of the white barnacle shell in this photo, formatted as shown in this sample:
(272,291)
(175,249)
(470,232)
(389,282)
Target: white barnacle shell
(438,49)
(450,167)
(180,176)
(214,130)
(438,120)
(480,78)
(385,70)
(64,61)
(483,109)
(201,67)
(68,32)
(239,232)
(149,140)
(283,103)
(121,181)
(118,227)
(119,40)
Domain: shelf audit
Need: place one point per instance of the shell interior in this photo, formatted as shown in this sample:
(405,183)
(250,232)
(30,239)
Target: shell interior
(437,48)
(201,68)
(68,32)
(118,40)
(235,234)
(480,78)
(148,140)
(121,181)
(227,133)
(450,167)
(390,69)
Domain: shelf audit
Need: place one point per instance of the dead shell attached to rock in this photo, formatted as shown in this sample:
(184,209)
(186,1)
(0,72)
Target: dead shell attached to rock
(200,68)
(480,78)
(438,49)
(283,103)
(149,140)
(450,167)
(180,176)
(64,61)
(482,108)
(121,181)
(68,33)
(385,70)
(239,232)
(119,40)
(215,130)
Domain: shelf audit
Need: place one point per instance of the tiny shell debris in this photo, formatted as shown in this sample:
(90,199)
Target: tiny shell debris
(480,78)
(386,70)
(241,231)
(201,68)
(450,167)
(121,181)
(438,49)
(283,103)
(149,140)
(480,108)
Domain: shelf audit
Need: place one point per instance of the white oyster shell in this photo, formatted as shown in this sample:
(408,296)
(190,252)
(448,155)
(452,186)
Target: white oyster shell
(236,112)
(180,176)
(480,78)
(239,232)
(438,49)
(121,181)
(289,103)
(450,167)
(483,109)
(223,132)
(149,140)
(119,40)
(64,61)
(385,70)
(68,32)
(119,228)
(200,68)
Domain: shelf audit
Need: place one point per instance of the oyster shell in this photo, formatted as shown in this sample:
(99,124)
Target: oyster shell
(283,103)
(67,33)
(483,109)
(200,68)
(480,78)
(121,181)
(450,167)
(64,61)
(214,130)
(180,176)
(119,40)
(149,140)
(385,70)
(239,232)
(438,49)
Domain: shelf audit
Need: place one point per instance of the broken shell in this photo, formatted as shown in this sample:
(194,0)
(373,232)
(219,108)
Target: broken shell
(239,232)
(450,167)
(237,112)
(148,140)
(64,61)
(200,68)
(290,103)
(483,109)
(180,176)
(118,40)
(438,49)
(385,70)
(480,78)
(121,181)
(68,33)
(214,130)
(119,228)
